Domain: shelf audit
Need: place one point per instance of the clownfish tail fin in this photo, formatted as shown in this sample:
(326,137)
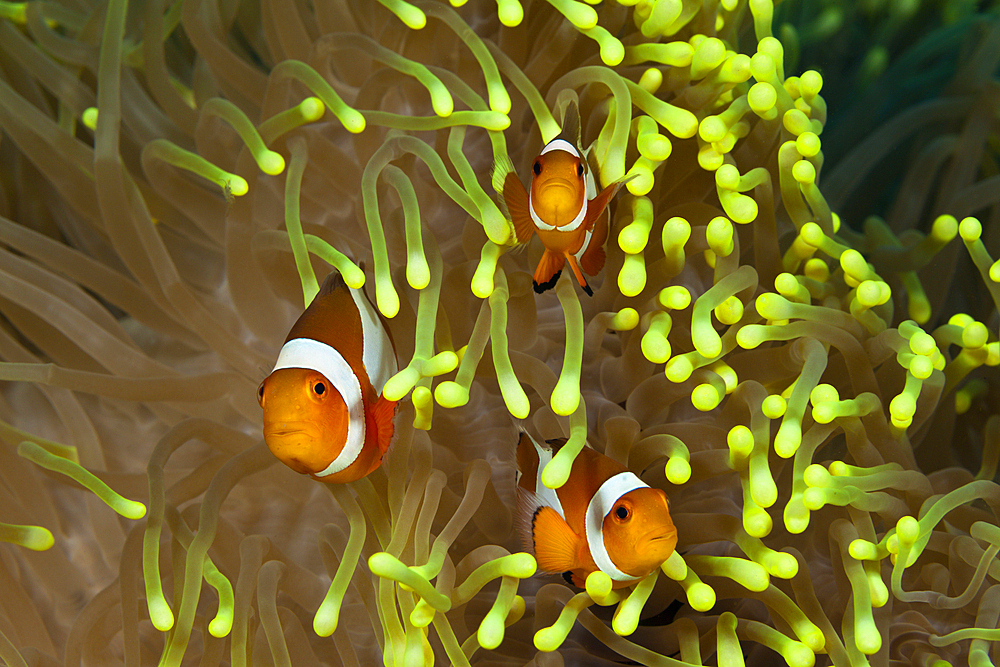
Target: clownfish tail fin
(527,504)
(384,413)
(548,270)
(592,260)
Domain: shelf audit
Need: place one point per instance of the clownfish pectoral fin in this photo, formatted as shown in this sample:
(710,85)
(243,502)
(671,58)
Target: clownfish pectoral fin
(593,257)
(513,198)
(548,270)
(597,205)
(384,413)
(579,275)
(555,542)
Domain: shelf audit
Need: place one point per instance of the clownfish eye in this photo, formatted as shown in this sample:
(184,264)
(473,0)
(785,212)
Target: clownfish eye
(537,167)
(319,388)
(579,169)
(260,394)
(622,513)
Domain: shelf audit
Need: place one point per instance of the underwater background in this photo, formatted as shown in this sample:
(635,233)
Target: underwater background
(795,334)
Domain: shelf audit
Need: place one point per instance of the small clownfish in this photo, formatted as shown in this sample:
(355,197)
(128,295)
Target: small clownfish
(324,415)
(562,207)
(603,518)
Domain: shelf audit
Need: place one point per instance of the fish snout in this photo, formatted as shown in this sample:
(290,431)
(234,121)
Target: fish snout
(297,445)
(661,543)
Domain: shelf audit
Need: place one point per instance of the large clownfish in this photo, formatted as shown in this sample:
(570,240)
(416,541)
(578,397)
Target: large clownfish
(603,518)
(562,207)
(324,415)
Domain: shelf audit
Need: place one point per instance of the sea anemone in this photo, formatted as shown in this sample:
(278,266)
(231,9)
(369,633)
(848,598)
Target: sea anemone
(800,354)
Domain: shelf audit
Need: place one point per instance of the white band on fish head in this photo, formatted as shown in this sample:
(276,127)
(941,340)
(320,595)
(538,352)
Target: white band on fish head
(560,145)
(320,357)
(613,488)
(569,227)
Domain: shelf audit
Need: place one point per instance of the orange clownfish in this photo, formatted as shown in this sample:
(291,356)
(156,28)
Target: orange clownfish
(561,207)
(324,415)
(603,518)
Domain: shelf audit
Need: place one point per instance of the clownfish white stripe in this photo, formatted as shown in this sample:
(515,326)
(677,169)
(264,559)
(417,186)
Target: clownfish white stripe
(560,145)
(600,505)
(377,354)
(569,227)
(547,495)
(320,357)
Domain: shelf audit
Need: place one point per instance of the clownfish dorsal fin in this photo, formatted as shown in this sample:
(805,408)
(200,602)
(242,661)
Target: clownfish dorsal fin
(555,444)
(555,543)
(331,283)
(525,455)
(570,131)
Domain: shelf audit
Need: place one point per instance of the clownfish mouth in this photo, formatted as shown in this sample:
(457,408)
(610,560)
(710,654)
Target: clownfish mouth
(561,183)
(293,443)
(659,538)
(280,429)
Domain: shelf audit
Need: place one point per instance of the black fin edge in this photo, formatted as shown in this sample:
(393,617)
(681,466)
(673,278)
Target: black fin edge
(548,284)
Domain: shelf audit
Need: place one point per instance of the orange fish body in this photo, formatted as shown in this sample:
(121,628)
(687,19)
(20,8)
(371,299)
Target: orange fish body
(603,518)
(562,207)
(323,413)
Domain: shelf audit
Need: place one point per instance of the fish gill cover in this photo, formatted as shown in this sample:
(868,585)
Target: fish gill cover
(801,355)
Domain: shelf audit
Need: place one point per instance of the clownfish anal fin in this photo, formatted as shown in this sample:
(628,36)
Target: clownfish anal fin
(555,542)
(384,412)
(549,284)
(548,270)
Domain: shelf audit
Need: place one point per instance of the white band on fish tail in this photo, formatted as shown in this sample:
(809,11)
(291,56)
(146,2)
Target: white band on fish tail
(600,505)
(549,496)
(320,357)
(560,145)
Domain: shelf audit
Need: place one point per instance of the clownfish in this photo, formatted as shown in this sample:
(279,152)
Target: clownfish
(562,207)
(603,518)
(324,415)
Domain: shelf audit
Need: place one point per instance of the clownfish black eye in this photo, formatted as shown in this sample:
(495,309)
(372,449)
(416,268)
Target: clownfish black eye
(319,388)
(579,169)
(622,513)
(537,167)
(260,394)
